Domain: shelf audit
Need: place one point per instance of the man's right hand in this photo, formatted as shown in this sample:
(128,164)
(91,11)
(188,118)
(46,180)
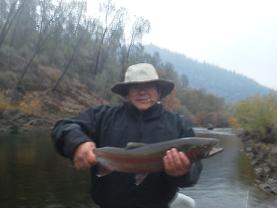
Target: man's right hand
(84,156)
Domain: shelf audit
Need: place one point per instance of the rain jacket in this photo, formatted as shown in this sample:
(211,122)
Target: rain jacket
(116,126)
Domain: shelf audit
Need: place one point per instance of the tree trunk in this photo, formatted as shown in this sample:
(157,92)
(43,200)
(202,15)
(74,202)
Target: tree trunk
(11,17)
(65,69)
(99,51)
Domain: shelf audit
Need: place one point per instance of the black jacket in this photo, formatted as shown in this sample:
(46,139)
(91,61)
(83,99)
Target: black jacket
(116,126)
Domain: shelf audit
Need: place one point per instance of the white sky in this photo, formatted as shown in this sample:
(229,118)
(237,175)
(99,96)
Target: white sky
(239,35)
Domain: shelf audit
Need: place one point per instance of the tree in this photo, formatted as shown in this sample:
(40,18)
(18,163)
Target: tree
(139,28)
(78,33)
(44,31)
(112,18)
(184,81)
(12,14)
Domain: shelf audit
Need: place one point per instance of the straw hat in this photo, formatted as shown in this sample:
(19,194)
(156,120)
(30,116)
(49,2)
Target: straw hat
(140,74)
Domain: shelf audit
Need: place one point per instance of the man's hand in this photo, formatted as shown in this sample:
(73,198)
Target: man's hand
(176,163)
(84,156)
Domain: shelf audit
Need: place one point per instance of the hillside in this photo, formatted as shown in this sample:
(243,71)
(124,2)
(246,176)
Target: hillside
(36,105)
(221,82)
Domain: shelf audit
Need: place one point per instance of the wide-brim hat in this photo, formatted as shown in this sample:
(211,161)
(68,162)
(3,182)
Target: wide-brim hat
(139,74)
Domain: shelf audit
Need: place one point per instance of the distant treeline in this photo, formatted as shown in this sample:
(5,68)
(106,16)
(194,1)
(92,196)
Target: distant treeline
(62,39)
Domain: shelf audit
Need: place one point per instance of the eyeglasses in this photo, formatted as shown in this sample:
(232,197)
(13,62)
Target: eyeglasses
(140,87)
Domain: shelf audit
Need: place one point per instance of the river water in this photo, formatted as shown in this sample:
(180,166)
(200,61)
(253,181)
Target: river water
(32,175)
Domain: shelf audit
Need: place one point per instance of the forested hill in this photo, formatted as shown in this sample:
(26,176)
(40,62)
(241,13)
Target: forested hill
(221,82)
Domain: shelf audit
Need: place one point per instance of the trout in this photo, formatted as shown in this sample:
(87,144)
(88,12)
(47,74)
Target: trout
(142,159)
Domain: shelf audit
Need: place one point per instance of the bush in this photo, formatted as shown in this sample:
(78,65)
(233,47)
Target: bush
(3,104)
(5,51)
(103,83)
(7,79)
(258,117)
(25,52)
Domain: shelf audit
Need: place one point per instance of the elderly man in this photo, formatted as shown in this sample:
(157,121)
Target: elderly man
(142,119)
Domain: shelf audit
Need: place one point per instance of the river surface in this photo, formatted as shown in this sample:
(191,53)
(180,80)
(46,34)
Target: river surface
(32,175)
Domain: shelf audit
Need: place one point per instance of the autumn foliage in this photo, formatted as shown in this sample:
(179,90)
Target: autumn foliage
(257,116)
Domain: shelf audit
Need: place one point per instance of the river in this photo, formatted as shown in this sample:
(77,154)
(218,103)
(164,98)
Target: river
(32,175)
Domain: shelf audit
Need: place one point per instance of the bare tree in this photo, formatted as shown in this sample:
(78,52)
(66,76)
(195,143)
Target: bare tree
(78,33)
(112,18)
(140,27)
(44,28)
(12,14)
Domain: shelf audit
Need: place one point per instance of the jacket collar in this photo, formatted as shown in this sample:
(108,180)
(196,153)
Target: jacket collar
(154,111)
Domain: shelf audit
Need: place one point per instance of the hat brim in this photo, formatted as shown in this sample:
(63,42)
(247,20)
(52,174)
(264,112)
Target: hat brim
(164,86)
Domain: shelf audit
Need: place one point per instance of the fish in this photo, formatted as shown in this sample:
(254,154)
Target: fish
(144,158)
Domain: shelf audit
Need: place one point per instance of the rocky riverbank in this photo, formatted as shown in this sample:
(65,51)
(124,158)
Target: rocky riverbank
(41,109)
(15,121)
(263,158)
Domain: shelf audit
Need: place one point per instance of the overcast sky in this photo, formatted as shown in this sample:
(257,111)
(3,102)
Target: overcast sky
(238,35)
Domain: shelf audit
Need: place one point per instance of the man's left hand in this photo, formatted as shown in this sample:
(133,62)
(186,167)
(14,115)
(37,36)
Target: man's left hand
(176,163)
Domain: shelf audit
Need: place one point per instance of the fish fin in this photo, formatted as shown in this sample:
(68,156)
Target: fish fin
(140,178)
(103,171)
(214,151)
(133,145)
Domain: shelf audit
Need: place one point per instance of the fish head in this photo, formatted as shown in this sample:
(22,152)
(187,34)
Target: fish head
(198,148)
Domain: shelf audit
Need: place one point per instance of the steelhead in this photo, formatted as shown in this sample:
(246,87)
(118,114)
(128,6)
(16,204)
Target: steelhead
(141,159)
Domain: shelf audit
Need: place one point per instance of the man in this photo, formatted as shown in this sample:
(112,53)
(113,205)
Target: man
(142,119)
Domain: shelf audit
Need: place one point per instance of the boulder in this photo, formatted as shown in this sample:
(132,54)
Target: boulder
(272,158)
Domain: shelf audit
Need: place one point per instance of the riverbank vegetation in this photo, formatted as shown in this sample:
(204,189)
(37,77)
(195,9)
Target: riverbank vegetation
(257,116)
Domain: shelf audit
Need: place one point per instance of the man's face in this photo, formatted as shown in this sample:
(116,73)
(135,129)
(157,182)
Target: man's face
(143,96)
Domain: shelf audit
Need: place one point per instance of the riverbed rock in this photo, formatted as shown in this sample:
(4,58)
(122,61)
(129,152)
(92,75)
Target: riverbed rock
(38,122)
(15,121)
(263,157)
(265,187)
(270,186)
(7,114)
(273,185)
(262,171)
(248,149)
(272,157)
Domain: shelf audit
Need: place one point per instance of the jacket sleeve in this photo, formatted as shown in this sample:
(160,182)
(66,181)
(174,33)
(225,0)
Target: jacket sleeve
(68,133)
(190,178)
(185,128)
(193,175)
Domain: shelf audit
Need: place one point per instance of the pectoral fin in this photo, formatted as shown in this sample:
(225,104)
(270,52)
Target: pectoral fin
(140,178)
(214,151)
(103,171)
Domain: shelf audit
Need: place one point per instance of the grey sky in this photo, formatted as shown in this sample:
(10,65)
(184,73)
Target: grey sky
(239,35)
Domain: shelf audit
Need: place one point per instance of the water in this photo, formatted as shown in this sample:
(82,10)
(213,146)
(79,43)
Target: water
(32,175)
(228,179)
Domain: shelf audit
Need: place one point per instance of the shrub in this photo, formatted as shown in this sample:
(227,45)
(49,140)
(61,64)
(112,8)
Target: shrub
(258,117)
(3,104)
(30,105)
(7,79)
(5,51)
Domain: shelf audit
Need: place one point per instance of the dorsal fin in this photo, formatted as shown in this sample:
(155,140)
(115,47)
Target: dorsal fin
(133,145)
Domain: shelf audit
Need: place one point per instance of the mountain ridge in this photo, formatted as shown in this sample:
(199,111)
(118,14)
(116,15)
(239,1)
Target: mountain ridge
(222,82)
